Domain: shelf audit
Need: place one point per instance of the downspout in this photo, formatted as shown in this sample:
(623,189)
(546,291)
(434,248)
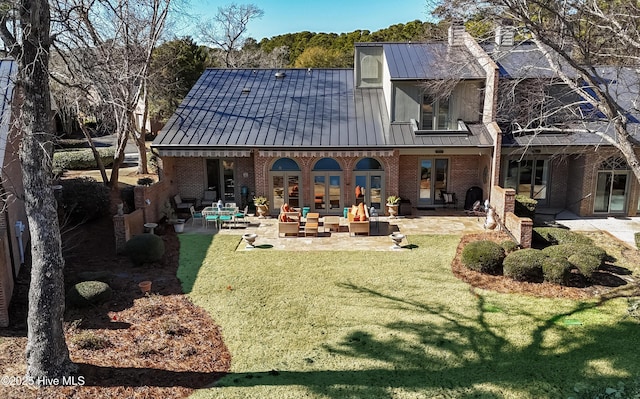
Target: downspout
(14,274)
(19,227)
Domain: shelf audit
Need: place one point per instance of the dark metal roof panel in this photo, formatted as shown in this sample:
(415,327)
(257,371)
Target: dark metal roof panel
(306,109)
(410,61)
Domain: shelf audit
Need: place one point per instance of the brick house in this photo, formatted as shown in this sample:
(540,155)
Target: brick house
(410,119)
(14,234)
(329,138)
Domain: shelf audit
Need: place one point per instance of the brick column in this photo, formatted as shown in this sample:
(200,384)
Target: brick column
(120,233)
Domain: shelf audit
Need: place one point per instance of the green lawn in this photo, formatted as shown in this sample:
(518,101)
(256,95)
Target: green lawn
(396,325)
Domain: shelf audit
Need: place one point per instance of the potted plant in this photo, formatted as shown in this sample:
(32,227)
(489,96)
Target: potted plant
(262,205)
(393,201)
(172,217)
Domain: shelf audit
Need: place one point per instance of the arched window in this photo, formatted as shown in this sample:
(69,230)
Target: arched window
(614,163)
(368,164)
(285,164)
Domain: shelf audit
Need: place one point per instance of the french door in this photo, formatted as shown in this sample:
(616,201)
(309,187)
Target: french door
(369,189)
(285,188)
(327,193)
(433,180)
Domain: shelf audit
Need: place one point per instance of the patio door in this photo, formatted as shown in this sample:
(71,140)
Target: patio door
(327,193)
(433,179)
(369,189)
(285,189)
(611,192)
(221,179)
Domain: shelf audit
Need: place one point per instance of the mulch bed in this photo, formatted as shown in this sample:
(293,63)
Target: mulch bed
(154,346)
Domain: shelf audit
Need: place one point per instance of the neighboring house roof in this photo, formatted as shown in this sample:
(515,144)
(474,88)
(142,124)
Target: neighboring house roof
(523,61)
(251,108)
(8,70)
(414,61)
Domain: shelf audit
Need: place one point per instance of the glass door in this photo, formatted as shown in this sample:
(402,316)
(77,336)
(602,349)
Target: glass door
(369,189)
(611,192)
(433,180)
(285,189)
(327,193)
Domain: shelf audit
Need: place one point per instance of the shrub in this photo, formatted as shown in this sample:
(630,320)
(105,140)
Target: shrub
(637,238)
(587,264)
(556,270)
(89,293)
(483,256)
(524,265)
(80,159)
(564,251)
(84,199)
(89,340)
(70,143)
(144,248)
(556,235)
(509,246)
(145,181)
(525,206)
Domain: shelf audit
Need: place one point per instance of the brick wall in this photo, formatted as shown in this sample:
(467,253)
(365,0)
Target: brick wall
(127,226)
(503,201)
(557,189)
(520,228)
(6,279)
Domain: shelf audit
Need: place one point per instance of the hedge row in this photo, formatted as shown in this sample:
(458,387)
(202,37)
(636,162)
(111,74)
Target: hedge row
(80,159)
(553,264)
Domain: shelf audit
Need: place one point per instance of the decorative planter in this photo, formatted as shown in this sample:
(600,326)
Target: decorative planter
(397,239)
(262,211)
(145,287)
(178,226)
(250,239)
(393,210)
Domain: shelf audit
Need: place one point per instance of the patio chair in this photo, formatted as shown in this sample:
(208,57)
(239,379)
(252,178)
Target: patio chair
(208,198)
(210,216)
(243,215)
(311,225)
(358,218)
(289,223)
(196,216)
(181,205)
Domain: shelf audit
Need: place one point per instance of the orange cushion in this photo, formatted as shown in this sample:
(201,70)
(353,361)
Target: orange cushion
(284,217)
(360,211)
(358,192)
(356,218)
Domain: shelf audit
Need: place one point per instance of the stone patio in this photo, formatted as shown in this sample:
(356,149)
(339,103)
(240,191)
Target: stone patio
(425,222)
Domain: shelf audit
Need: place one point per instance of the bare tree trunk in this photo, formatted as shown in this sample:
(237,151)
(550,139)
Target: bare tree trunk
(141,136)
(96,154)
(47,353)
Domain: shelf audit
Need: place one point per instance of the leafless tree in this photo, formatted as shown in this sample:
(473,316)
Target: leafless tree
(47,353)
(107,47)
(227,30)
(574,38)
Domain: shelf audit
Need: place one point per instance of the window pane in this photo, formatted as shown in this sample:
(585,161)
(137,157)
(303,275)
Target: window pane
(278,191)
(443,115)
(368,164)
(427,113)
(213,176)
(285,164)
(229,181)
(425,179)
(318,192)
(441,177)
(327,164)
(540,180)
(334,192)
(294,192)
(376,192)
(524,185)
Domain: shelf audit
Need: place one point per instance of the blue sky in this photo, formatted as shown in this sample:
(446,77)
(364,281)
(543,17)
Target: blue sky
(286,16)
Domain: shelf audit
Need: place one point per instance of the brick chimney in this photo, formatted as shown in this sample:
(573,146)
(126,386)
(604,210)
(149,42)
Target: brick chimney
(505,35)
(456,33)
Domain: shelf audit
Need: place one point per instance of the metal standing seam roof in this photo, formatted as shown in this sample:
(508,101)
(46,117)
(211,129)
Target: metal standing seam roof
(319,108)
(8,71)
(431,61)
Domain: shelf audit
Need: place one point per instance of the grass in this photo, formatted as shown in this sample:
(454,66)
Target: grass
(396,325)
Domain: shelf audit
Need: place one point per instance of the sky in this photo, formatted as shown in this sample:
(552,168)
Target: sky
(328,16)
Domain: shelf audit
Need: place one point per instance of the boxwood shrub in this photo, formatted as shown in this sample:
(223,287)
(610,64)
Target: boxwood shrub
(144,248)
(525,206)
(555,235)
(564,251)
(81,159)
(586,264)
(483,256)
(524,265)
(509,246)
(89,293)
(556,270)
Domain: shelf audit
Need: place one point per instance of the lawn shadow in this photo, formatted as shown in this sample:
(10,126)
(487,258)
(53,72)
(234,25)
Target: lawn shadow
(463,355)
